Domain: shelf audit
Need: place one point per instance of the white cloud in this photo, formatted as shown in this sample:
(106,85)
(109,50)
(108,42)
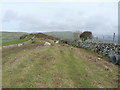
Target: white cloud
(60,16)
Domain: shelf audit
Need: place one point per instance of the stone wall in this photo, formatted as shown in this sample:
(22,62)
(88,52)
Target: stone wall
(108,49)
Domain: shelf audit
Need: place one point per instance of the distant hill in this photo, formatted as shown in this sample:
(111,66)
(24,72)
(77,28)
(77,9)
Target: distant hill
(105,38)
(8,36)
(19,37)
(70,36)
(62,35)
(44,36)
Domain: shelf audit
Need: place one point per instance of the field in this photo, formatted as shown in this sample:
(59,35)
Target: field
(8,36)
(56,66)
(14,42)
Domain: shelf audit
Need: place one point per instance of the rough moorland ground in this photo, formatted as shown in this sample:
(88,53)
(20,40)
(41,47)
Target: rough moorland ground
(38,66)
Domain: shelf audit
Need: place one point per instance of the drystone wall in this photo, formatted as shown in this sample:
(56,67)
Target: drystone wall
(109,49)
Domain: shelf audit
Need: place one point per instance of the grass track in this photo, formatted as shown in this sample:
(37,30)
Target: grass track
(54,67)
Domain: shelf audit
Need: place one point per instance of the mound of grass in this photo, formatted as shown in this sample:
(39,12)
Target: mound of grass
(35,66)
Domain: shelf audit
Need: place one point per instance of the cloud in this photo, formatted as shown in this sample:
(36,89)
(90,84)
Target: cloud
(32,17)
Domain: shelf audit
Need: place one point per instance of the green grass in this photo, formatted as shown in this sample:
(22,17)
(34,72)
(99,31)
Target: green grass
(34,66)
(8,36)
(14,42)
(17,41)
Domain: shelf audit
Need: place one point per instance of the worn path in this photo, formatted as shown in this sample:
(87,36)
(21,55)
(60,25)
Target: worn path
(37,66)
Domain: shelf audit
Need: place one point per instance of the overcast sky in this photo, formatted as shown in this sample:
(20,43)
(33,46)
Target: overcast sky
(100,18)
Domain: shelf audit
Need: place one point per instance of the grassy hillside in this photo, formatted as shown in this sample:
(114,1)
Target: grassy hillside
(8,36)
(17,40)
(14,42)
(39,66)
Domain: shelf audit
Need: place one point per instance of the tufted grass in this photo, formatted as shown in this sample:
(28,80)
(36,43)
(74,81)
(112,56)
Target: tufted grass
(57,66)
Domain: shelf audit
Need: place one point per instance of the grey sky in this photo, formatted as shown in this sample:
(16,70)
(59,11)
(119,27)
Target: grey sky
(99,18)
